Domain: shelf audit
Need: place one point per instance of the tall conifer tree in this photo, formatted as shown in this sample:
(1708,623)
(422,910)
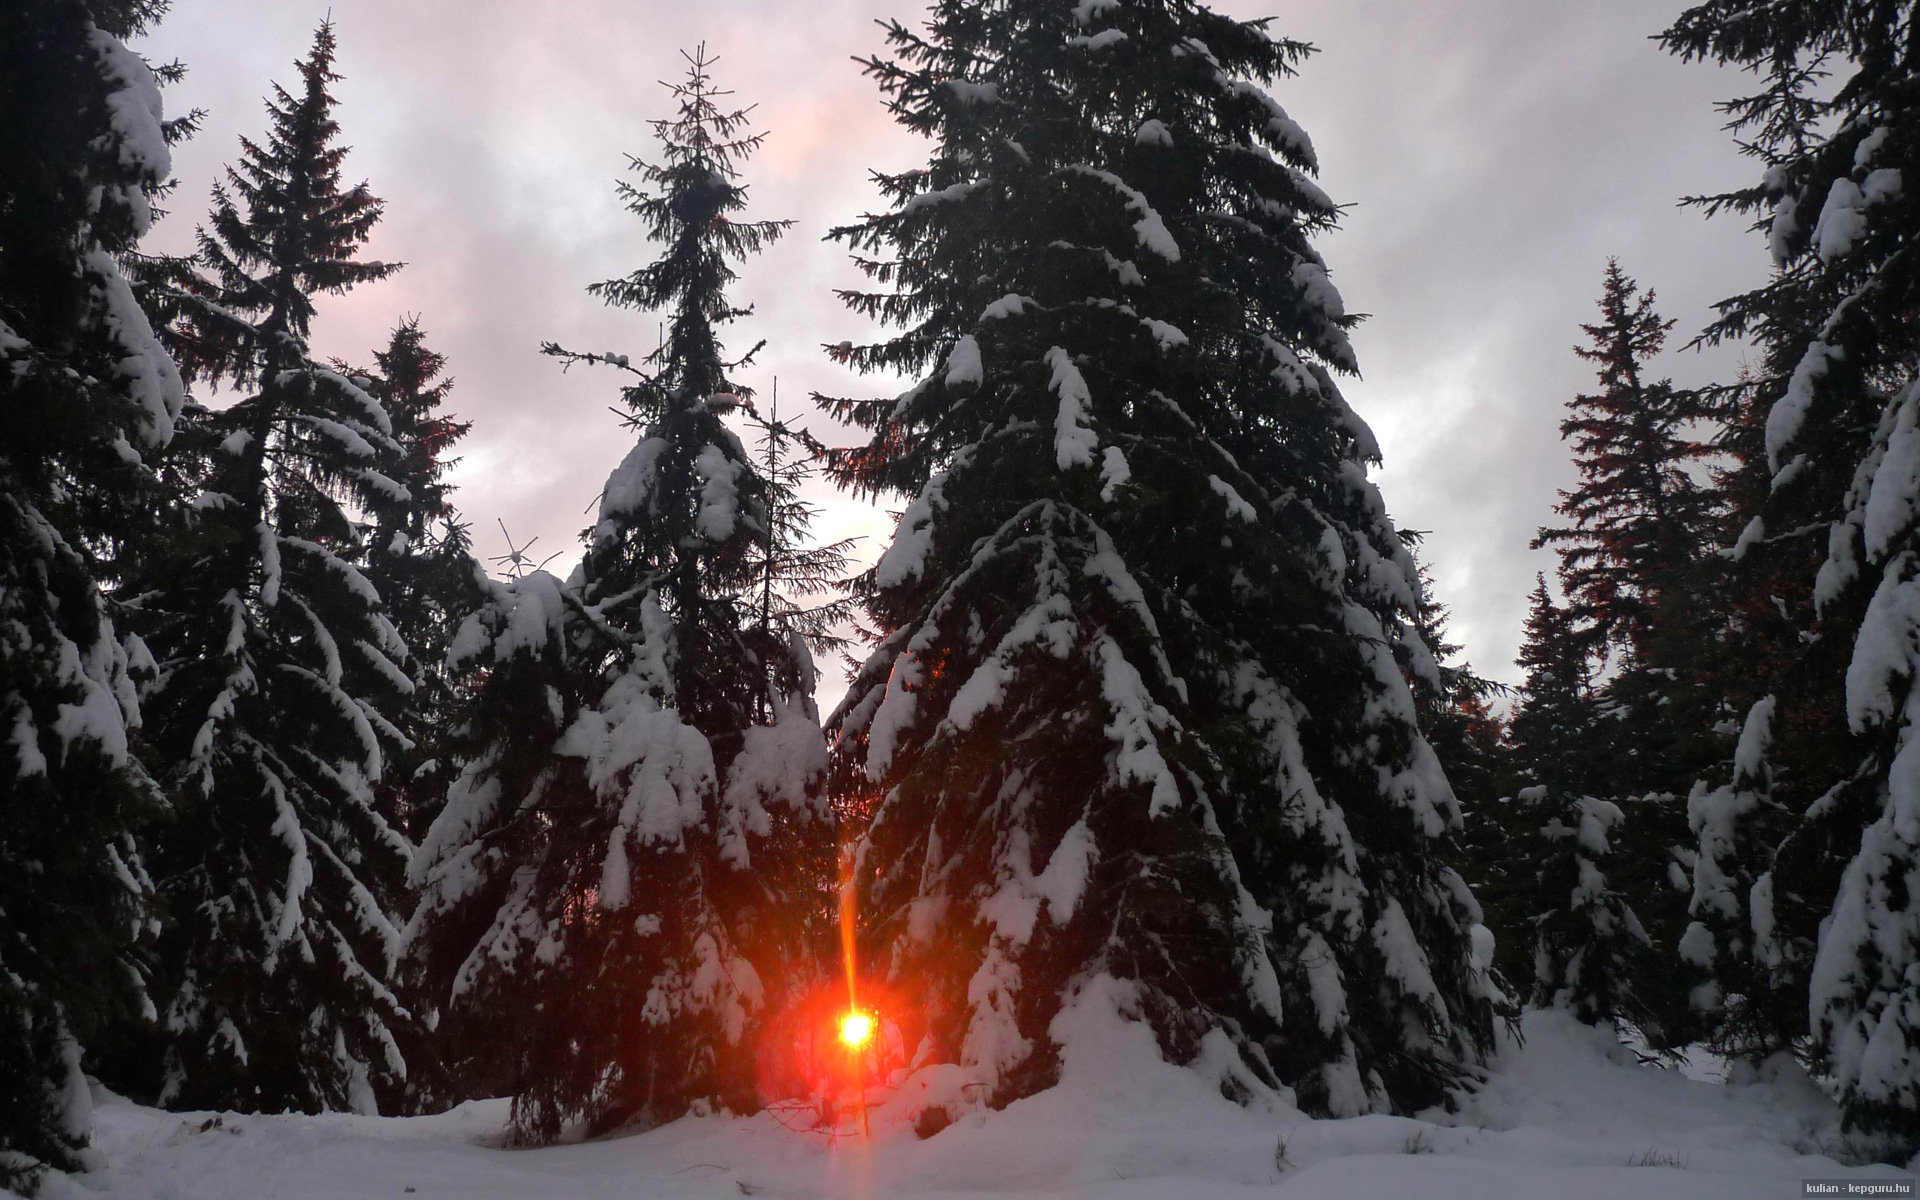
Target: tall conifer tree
(1555,730)
(1636,534)
(1840,361)
(1591,955)
(1637,514)
(1089,742)
(1763,877)
(610,872)
(1565,928)
(87,397)
(415,553)
(1738,973)
(1836,324)
(276,660)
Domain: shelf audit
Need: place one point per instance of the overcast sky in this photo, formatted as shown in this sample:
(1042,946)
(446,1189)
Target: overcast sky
(1494,152)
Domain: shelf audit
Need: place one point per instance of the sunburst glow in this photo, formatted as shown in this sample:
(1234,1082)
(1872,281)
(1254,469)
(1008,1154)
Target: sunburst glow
(855,1029)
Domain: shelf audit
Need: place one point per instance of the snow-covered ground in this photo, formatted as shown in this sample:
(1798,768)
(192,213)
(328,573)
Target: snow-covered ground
(1568,1115)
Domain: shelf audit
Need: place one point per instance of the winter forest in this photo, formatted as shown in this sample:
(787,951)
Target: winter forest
(1127,813)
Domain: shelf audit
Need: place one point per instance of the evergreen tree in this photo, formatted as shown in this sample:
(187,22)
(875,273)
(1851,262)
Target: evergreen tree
(1088,742)
(1638,523)
(1637,515)
(1562,924)
(87,395)
(1554,727)
(1737,825)
(1780,815)
(416,556)
(1590,953)
(517,663)
(801,580)
(1469,739)
(277,663)
(1555,731)
(1456,716)
(1836,327)
(628,914)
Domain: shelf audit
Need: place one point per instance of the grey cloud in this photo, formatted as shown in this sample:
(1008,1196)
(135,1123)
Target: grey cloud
(1495,152)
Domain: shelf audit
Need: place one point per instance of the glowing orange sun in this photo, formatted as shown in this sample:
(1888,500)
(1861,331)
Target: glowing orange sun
(855,1029)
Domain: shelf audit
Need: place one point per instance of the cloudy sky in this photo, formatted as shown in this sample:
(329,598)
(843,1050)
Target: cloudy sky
(1494,152)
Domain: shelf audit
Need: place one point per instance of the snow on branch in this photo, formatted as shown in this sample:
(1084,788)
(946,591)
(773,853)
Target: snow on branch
(346,439)
(1073,441)
(370,755)
(348,573)
(1149,229)
(1137,721)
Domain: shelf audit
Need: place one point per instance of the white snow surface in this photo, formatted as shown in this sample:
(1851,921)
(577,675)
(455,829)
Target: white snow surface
(963,364)
(1568,1114)
(1073,441)
(1789,413)
(1153,133)
(783,764)
(152,378)
(952,192)
(1114,471)
(1149,229)
(629,488)
(1893,491)
(906,557)
(1236,504)
(134,113)
(1843,218)
(968,92)
(1099,41)
(1086,10)
(719,494)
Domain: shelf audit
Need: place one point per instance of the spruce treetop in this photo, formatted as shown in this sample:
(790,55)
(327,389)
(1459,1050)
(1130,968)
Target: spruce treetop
(283,227)
(682,518)
(1555,715)
(1637,514)
(411,387)
(1134,117)
(688,202)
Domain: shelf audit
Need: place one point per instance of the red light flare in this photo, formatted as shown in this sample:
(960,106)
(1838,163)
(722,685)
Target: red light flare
(856,1029)
(849,921)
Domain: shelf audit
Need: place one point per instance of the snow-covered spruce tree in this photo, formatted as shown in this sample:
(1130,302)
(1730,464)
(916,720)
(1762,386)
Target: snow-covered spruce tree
(1456,716)
(519,663)
(415,553)
(1836,325)
(275,661)
(1562,928)
(1458,722)
(1783,813)
(1590,953)
(1745,642)
(1737,826)
(1636,527)
(611,875)
(1567,931)
(86,393)
(1137,723)
(1470,740)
